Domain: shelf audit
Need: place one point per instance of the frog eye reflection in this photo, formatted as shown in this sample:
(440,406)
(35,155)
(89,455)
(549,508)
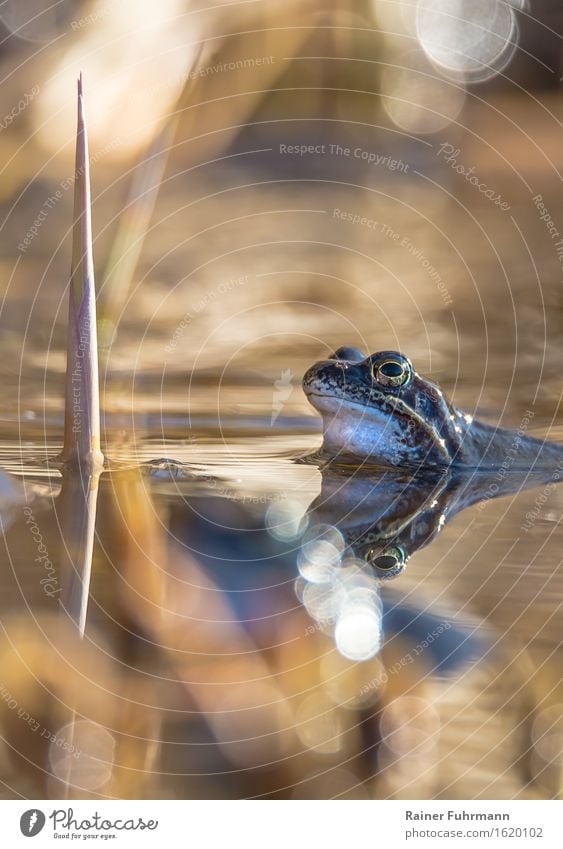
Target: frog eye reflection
(387,563)
(391,373)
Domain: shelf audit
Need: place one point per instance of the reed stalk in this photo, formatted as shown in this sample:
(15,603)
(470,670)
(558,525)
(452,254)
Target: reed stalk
(81,448)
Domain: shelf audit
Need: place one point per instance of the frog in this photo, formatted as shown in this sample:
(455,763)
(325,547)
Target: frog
(379,410)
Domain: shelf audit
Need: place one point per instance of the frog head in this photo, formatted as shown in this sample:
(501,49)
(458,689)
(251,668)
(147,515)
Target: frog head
(378,409)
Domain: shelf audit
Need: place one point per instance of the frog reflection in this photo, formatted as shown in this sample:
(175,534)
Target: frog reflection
(363,528)
(385,517)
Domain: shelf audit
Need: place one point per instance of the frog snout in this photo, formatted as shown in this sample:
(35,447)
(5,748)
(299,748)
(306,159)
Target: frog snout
(310,377)
(323,375)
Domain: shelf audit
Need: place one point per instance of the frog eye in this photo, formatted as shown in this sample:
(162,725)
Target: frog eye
(391,372)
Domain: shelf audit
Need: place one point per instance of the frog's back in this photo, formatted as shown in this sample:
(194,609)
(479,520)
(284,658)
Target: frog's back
(488,447)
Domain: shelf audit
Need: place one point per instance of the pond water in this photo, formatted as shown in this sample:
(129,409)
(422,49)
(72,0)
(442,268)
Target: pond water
(242,635)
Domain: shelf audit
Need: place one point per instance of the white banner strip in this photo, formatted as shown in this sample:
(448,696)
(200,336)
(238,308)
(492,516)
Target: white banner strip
(282,825)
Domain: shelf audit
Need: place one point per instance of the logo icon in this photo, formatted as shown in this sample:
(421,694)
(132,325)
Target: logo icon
(32,822)
(282,390)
